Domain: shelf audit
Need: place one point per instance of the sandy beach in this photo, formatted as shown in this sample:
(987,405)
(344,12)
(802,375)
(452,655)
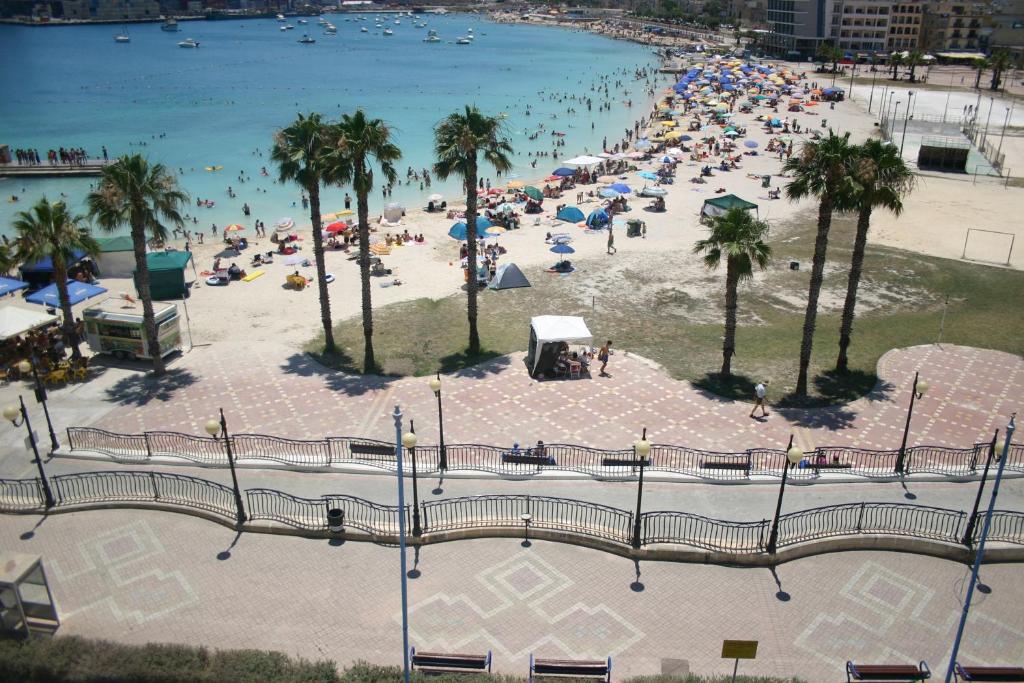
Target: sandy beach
(937,214)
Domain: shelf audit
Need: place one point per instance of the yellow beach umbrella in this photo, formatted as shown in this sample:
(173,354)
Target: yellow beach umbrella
(673,135)
(516,184)
(669,124)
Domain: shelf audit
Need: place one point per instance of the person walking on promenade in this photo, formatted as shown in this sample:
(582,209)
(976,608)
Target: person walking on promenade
(759,394)
(602,355)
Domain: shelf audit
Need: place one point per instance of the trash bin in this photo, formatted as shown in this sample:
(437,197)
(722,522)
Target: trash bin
(766,181)
(335,520)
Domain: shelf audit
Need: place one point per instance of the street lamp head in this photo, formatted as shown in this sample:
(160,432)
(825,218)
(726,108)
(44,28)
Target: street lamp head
(922,387)
(794,455)
(212,427)
(24,367)
(11,413)
(643,448)
(409,440)
(435,383)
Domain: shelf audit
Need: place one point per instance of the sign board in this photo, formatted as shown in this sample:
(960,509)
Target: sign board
(739,649)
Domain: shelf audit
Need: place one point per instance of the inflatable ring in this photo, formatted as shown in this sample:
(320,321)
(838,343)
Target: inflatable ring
(214,281)
(329,278)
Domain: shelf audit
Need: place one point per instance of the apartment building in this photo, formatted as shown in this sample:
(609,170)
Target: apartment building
(905,26)
(856,26)
(955,26)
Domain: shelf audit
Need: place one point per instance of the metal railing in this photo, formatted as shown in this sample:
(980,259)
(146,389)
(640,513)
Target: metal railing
(133,448)
(570,518)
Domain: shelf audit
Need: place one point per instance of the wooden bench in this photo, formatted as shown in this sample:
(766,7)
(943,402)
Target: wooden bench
(371,449)
(571,668)
(726,465)
(625,462)
(988,673)
(446,663)
(887,672)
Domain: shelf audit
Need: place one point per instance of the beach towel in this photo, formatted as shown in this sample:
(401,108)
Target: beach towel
(253,275)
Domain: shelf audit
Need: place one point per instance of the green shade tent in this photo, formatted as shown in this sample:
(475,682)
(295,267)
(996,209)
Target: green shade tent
(116,257)
(719,206)
(167,274)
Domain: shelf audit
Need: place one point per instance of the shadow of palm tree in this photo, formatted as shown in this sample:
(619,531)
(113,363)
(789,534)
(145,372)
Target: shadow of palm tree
(851,385)
(140,390)
(341,375)
(475,366)
(715,387)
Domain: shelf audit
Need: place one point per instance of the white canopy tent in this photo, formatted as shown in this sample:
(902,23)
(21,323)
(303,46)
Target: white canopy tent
(15,320)
(547,333)
(585,160)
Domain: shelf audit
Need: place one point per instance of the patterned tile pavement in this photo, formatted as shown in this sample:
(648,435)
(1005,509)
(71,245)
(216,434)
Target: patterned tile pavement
(140,576)
(269,389)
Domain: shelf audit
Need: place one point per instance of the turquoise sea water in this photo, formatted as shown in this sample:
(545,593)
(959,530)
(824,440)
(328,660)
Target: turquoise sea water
(220,104)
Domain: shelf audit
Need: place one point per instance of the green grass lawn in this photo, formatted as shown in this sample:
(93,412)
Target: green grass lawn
(682,330)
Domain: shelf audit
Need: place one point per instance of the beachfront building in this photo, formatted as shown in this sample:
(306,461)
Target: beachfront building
(905,26)
(949,26)
(798,27)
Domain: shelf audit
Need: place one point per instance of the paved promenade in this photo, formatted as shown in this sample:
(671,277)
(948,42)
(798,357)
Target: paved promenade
(139,576)
(270,389)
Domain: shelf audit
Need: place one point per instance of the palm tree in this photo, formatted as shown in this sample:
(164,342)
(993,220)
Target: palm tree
(980,65)
(1000,62)
(828,52)
(819,171)
(895,60)
(8,258)
(145,197)
(914,60)
(457,140)
(880,180)
(740,238)
(300,152)
(50,230)
(358,140)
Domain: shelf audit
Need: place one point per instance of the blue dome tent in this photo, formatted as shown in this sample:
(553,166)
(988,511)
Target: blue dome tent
(570,214)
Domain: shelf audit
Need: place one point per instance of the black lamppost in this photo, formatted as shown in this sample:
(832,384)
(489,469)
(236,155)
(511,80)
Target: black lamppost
(874,75)
(11,413)
(969,532)
(793,456)
(641,449)
(24,367)
(409,441)
(215,429)
(918,391)
(906,118)
(435,386)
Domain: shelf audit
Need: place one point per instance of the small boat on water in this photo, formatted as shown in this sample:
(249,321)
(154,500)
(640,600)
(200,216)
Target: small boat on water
(331,30)
(398,22)
(287,27)
(323,22)
(463,40)
(431,37)
(364,30)
(388,32)
(306,40)
(188,42)
(123,36)
(303,21)
(169,25)
(280,17)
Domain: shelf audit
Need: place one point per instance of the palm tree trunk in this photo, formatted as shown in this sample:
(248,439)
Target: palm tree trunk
(363,211)
(60,274)
(731,304)
(321,267)
(856,267)
(977,80)
(817,277)
(142,284)
(471,286)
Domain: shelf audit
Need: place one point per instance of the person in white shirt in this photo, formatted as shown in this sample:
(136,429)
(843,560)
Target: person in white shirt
(759,394)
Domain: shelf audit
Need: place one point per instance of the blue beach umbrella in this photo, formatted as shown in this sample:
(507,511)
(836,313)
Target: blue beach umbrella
(460,231)
(647,175)
(570,214)
(563,172)
(750,143)
(77,293)
(8,285)
(643,144)
(621,188)
(562,249)
(607,193)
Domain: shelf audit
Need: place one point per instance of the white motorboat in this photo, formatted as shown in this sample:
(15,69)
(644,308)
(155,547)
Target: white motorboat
(169,25)
(280,17)
(303,21)
(431,37)
(398,22)
(287,27)
(388,32)
(463,40)
(188,42)
(331,30)
(378,25)
(323,22)
(364,30)
(123,36)
(306,40)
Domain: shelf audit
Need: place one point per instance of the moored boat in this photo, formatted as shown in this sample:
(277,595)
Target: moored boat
(188,42)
